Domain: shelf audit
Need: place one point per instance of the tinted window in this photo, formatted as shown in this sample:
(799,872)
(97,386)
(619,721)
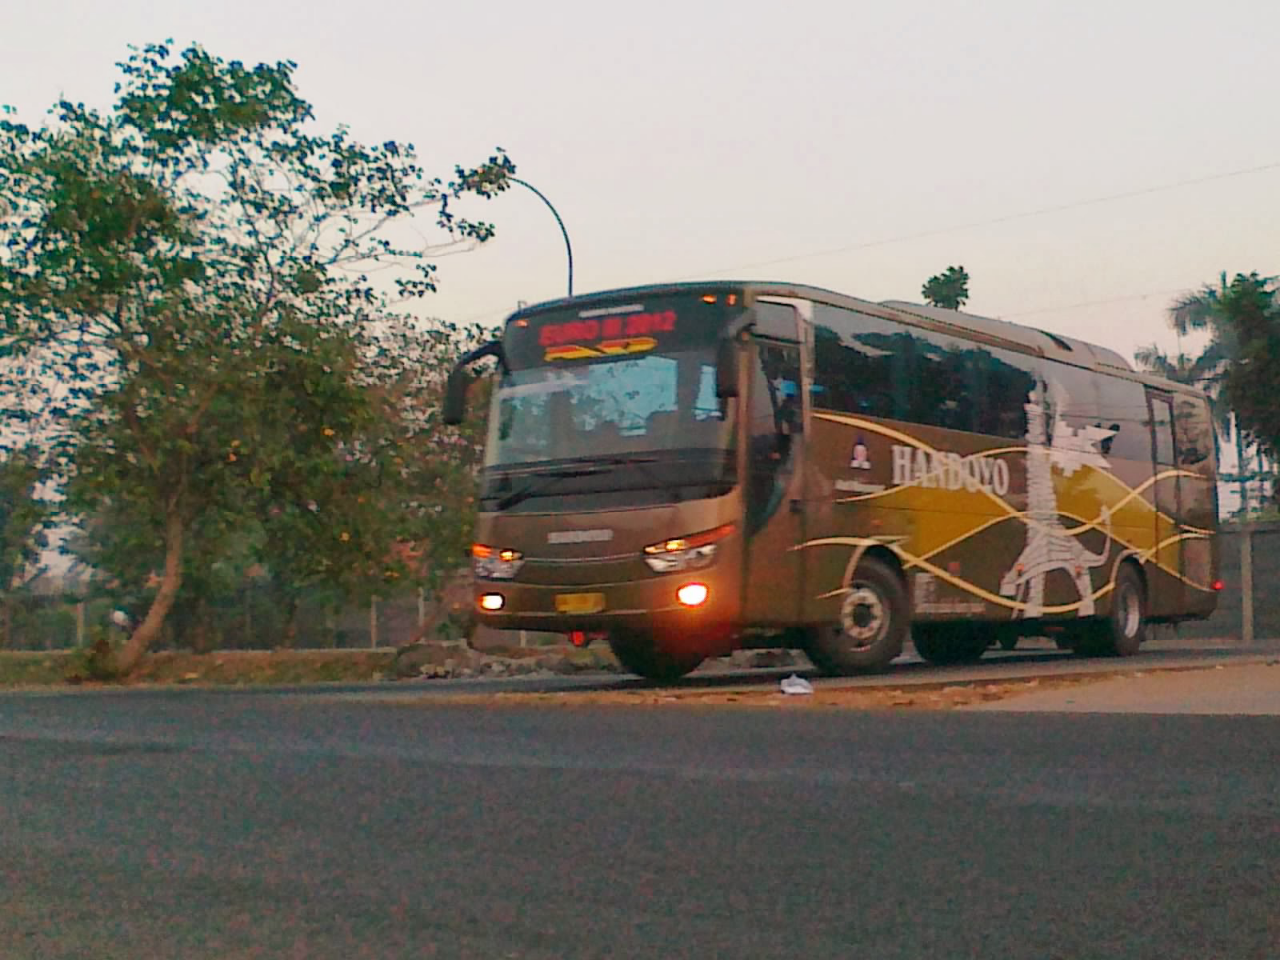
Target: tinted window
(1192,430)
(862,364)
(1007,382)
(947,389)
(1162,420)
(776,320)
(1123,408)
(1071,402)
(866,365)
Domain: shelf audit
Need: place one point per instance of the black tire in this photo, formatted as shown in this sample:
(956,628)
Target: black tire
(949,643)
(641,654)
(874,620)
(1122,632)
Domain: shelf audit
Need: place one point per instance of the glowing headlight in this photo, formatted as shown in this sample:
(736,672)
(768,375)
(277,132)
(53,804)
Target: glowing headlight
(693,594)
(686,553)
(491,563)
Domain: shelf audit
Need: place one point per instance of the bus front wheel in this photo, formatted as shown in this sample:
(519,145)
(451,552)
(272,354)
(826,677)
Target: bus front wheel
(873,623)
(643,655)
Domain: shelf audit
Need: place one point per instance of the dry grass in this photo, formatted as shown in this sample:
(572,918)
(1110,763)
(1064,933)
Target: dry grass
(228,667)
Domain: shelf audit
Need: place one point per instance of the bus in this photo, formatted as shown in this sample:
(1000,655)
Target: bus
(689,469)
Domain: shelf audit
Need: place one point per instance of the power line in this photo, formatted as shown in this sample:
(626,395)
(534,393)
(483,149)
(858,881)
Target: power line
(1007,218)
(1091,303)
(498,312)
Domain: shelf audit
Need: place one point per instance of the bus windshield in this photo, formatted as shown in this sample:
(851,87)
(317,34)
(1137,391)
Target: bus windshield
(651,404)
(611,394)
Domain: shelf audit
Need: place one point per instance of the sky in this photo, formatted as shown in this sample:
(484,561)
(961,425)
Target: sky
(854,145)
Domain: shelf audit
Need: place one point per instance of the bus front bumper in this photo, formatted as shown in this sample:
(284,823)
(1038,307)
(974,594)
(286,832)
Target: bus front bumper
(699,608)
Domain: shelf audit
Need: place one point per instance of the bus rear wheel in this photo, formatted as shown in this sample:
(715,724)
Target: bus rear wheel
(873,623)
(1122,633)
(949,643)
(643,655)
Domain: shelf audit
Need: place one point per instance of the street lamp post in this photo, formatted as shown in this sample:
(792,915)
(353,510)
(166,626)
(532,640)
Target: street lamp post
(565,233)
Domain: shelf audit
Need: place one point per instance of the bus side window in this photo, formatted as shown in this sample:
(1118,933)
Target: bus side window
(1162,423)
(1122,407)
(1193,431)
(1010,378)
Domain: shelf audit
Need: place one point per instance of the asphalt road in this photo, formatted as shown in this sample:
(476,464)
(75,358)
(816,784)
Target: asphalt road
(194,824)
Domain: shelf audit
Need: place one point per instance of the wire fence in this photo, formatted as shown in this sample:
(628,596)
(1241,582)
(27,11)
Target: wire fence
(253,618)
(250,618)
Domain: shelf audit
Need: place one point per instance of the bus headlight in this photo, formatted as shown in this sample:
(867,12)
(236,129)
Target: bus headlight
(686,553)
(492,563)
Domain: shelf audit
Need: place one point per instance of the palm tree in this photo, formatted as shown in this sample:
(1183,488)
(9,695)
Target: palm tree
(1217,309)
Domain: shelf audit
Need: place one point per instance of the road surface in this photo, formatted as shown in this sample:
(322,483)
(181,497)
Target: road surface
(194,824)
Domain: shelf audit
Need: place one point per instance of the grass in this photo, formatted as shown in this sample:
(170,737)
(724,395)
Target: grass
(20,668)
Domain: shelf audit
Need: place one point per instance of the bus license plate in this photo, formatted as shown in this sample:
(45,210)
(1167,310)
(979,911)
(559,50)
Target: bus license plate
(579,602)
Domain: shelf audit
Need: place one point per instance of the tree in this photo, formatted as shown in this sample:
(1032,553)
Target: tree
(949,290)
(1239,316)
(1250,385)
(200,266)
(22,519)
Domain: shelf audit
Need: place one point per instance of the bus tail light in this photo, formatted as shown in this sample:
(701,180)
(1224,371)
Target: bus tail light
(1218,585)
(693,594)
(492,602)
(686,553)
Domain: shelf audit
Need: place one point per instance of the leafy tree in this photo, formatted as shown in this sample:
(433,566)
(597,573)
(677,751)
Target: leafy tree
(949,290)
(204,270)
(22,521)
(1250,385)
(1239,316)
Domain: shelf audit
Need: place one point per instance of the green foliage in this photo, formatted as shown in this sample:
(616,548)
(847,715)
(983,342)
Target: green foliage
(206,276)
(1252,312)
(1240,366)
(949,289)
(22,517)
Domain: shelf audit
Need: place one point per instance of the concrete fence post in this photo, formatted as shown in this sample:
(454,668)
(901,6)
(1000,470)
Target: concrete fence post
(373,622)
(1246,583)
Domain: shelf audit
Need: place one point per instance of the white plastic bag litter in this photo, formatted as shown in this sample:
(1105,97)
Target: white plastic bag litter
(796,685)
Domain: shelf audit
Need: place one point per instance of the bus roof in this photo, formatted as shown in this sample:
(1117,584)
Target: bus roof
(984,329)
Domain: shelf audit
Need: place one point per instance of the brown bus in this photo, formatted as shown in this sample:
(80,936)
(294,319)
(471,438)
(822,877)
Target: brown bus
(688,469)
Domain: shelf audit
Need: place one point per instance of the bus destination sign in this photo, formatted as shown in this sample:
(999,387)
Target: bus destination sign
(605,336)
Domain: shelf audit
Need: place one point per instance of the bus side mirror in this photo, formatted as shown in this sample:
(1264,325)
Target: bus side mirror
(455,396)
(455,390)
(726,369)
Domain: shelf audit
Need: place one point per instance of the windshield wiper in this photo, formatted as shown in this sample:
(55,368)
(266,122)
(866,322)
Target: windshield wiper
(549,479)
(642,463)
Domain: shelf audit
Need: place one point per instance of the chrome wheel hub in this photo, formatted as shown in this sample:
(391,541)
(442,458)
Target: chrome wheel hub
(862,615)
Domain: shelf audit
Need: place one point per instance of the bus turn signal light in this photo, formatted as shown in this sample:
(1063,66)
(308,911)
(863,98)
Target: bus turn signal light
(492,601)
(493,563)
(693,594)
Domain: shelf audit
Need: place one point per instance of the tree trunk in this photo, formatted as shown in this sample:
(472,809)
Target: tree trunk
(290,638)
(128,656)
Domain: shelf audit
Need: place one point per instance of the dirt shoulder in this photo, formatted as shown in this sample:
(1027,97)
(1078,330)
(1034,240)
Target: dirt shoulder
(230,667)
(941,696)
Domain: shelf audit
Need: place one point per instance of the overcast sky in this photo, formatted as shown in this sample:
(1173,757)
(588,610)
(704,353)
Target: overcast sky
(750,139)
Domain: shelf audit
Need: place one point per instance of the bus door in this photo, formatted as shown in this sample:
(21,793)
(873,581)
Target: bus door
(1166,589)
(774,516)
